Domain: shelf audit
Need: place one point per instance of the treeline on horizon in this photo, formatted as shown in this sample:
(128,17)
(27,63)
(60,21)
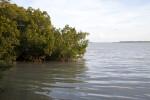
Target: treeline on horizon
(28,34)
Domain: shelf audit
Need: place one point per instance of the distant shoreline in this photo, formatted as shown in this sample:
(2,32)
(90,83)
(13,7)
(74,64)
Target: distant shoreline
(134,42)
(124,42)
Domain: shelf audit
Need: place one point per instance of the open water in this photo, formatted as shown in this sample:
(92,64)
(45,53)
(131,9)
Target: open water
(108,71)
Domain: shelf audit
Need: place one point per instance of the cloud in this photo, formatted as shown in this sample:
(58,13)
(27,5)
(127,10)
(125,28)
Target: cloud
(105,20)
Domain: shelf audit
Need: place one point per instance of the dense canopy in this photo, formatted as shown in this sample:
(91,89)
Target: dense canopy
(27,34)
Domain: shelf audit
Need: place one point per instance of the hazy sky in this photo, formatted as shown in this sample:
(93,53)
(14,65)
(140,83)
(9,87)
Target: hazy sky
(105,20)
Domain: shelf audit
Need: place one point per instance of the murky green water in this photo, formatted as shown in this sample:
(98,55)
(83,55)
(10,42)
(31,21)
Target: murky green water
(107,72)
(36,81)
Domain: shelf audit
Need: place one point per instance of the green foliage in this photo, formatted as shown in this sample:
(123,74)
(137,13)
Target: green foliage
(8,39)
(27,34)
(37,39)
(6,65)
(69,44)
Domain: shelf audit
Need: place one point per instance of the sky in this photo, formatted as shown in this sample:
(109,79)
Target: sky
(105,20)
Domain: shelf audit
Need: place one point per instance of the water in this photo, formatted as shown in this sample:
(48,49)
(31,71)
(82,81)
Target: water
(108,71)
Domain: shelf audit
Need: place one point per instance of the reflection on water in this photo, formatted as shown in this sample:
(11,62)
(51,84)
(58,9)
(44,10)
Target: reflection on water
(110,71)
(36,81)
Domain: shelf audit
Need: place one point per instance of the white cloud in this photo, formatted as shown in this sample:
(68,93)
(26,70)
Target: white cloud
(105,20)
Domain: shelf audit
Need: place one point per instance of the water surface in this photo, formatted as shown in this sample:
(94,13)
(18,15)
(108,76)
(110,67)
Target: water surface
(108,71)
